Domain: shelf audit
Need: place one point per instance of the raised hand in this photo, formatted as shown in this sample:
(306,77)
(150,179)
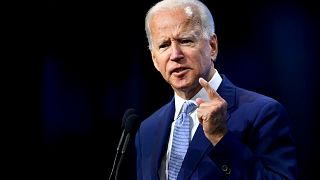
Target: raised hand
(212,114)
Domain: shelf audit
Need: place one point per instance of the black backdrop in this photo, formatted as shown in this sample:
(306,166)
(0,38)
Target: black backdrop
(74,67)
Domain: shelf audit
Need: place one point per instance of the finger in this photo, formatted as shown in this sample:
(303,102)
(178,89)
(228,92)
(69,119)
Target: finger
(212,94)
(199,101)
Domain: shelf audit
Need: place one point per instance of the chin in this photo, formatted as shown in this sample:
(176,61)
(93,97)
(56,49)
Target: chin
(182,84)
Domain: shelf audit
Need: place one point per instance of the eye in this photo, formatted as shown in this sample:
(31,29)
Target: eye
(186,41)
(163,45)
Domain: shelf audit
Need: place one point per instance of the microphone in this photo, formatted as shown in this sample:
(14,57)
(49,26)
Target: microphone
(126,115)
(129,112)
(131,126)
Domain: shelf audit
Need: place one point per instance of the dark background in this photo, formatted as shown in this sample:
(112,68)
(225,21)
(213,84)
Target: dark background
(72,68)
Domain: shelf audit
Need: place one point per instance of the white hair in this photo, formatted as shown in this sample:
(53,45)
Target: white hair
(206,19)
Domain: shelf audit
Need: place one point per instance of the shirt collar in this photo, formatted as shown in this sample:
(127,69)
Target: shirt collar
(214,82)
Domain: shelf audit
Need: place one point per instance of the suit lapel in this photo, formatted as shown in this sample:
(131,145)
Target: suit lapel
(198,147)
(164,119)
(228,92)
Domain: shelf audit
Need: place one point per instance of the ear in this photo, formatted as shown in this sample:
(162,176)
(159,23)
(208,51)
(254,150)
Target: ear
(214,47)
(155,62)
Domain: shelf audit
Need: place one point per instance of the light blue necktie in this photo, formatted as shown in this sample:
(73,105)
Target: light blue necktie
(180,141)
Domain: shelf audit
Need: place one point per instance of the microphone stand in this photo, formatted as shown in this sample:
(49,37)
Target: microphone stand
(131,124)
(116,157)
(124,147)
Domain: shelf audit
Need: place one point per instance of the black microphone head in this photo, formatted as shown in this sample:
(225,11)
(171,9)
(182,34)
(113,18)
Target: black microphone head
(132,124)
(128,112)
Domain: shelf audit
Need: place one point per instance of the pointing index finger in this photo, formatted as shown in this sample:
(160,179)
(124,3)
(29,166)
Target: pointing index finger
(212,94)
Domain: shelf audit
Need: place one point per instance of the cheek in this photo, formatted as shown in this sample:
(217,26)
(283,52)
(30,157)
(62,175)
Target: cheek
(162,63)
(161,67)
(205,57)
(202,63)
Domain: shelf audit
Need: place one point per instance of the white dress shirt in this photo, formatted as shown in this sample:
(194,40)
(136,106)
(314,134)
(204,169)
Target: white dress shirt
(214,83)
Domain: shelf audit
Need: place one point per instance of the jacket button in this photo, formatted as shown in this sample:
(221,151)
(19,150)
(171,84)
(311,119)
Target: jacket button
(226,169)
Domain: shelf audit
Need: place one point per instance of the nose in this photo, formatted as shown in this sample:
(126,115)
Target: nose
(176,52)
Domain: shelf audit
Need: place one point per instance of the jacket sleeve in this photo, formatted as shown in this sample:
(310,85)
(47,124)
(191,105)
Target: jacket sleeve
(266,152)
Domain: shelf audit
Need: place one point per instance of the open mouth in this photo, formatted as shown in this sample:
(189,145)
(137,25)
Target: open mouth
(179,71)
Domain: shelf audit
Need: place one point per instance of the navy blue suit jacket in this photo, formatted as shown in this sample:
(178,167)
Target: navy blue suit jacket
(258,144)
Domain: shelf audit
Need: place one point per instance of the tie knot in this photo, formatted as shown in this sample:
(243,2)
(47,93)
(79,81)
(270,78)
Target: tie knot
(187,107)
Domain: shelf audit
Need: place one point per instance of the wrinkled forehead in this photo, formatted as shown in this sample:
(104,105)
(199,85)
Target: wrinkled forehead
(176,20)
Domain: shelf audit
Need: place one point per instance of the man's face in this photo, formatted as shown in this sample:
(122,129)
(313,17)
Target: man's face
(180,53)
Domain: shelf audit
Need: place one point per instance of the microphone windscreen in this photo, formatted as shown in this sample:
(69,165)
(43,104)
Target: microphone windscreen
(128,112)
(132,123)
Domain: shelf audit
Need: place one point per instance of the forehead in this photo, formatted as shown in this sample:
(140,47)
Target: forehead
(179,17)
